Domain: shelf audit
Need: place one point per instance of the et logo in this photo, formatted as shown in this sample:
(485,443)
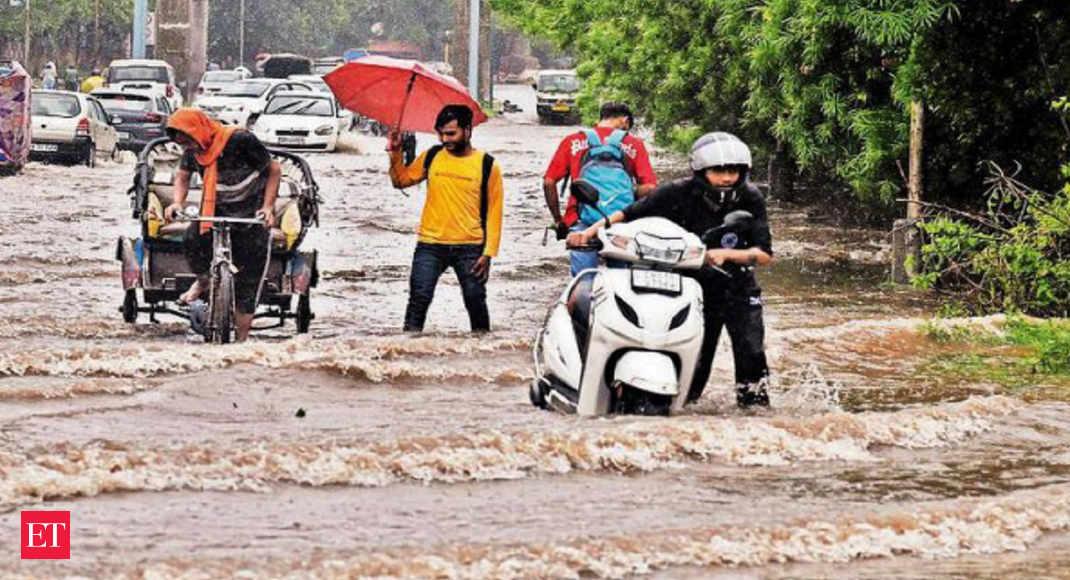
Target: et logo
(46,535)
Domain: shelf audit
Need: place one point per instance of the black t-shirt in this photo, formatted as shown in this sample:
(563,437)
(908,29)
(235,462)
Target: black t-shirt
(682,203)
(242,175)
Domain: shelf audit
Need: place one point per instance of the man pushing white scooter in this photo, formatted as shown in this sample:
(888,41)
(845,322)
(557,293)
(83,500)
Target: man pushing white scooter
(641,338)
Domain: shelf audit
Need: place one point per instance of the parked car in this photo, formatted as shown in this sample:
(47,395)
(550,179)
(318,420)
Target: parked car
(325,65)
(347,120)
(71,126)
(240,103)
(138,118)
(280,66)
(556,92)
(214,81)
(144,75)
(299,120)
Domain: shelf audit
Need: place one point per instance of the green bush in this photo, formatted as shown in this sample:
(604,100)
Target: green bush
(1011,258)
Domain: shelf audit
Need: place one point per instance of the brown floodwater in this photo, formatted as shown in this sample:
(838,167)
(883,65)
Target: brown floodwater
(358,451)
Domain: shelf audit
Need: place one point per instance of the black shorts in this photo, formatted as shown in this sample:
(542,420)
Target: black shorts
(249,248)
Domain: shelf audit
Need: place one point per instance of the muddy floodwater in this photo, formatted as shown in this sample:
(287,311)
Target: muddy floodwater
(360,452)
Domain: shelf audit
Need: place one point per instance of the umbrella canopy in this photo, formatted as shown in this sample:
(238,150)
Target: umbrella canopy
(402,94)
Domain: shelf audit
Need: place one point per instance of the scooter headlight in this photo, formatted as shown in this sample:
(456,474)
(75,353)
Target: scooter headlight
(664,250)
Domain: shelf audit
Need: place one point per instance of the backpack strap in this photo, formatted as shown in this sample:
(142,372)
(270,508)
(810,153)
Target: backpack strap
(429,158)
(484,193)
(593,140)
(616,138)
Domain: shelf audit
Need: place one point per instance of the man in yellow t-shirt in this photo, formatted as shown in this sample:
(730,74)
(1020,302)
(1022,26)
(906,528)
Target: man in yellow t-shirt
(94,82)
(461,226)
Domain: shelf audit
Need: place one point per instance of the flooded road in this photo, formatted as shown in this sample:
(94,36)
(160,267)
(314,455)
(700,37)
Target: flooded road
(361,452)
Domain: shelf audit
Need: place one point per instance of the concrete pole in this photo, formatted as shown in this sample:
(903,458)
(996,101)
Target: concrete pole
(473,48)
(241,35)
(198,45)
(916,183)
(26,48)
(141,10)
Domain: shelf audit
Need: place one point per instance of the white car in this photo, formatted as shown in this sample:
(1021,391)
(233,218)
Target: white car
(240,103)
(214,81)
(144,75)
(299,120)
(346,119)
(71,126)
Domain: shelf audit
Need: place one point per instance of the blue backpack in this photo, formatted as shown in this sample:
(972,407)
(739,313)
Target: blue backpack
(603,167)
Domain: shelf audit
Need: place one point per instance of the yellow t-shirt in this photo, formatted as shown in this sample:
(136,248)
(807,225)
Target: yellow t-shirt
(91,84)
(451,213)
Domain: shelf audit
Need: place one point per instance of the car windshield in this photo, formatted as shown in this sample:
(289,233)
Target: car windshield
(125,102)
(323,68)
(300,106)
(154,74)
(221,76)
(559,84)
(54,105)
(247,89)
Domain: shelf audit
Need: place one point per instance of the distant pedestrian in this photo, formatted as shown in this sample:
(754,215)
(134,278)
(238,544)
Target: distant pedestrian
(461,226)
(49,77)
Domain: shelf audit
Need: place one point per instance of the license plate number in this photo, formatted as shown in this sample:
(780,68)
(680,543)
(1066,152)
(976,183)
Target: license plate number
(124,136)
(44,147)
(291,140)
(655,281)
(562,108)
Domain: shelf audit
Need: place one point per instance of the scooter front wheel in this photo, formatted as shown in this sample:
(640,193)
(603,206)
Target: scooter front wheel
(633,401)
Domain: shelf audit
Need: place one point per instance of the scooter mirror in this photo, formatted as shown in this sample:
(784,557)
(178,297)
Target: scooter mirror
(584,192)
(737,221)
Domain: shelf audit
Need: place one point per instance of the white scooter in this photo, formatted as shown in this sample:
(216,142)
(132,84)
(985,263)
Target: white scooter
(625,340)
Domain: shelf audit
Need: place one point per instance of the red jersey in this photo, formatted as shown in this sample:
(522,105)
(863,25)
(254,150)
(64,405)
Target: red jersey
(569,156)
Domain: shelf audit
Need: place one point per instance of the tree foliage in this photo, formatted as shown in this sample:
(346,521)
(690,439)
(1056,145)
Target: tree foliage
(832,79)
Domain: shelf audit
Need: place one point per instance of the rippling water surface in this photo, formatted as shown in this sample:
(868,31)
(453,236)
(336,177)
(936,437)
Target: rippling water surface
(361,452)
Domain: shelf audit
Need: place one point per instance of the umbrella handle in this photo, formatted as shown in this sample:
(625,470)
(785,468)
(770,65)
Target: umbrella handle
(405,103)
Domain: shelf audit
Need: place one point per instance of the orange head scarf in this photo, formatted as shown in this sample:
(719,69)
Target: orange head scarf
(212,137)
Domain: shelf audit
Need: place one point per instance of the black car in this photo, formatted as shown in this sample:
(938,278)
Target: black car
(138,117)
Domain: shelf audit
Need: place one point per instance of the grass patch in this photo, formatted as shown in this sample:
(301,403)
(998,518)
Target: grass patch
(1014,352)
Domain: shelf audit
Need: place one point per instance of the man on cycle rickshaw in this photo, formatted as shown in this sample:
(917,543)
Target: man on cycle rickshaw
(239,180)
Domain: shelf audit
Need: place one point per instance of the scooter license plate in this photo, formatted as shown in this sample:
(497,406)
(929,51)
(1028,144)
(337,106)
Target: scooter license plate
(656,281)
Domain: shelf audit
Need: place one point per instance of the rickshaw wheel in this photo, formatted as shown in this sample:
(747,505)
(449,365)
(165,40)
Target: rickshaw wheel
(304,313)
(130,306)
(221,319)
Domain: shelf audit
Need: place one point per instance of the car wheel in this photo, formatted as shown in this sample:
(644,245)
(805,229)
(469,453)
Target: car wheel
(90,158)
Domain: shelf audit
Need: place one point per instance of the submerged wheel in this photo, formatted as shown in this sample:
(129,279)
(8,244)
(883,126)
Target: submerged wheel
(634,401)
(221,308)
(116,155)
(129,308)
(90,156)
(304,313)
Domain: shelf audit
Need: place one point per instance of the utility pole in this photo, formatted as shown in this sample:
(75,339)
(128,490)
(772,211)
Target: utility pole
(26,49)
(473,48)
(241,34)
(141,9)
(96,32)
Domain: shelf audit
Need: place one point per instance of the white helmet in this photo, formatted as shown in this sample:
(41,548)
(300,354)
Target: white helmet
(719,150)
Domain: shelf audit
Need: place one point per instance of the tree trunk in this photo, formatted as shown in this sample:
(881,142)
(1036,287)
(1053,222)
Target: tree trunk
(782,172)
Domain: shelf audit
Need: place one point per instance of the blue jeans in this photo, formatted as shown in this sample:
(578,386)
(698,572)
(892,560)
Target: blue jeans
(428,264)
(582,259)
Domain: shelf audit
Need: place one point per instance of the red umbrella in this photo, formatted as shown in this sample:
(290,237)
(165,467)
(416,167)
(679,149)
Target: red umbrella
(402,94)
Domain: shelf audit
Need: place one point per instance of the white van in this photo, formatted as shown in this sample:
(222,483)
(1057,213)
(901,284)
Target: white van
(144,75)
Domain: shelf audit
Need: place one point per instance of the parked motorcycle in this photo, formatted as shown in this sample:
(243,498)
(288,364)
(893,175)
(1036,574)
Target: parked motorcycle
(626,339)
